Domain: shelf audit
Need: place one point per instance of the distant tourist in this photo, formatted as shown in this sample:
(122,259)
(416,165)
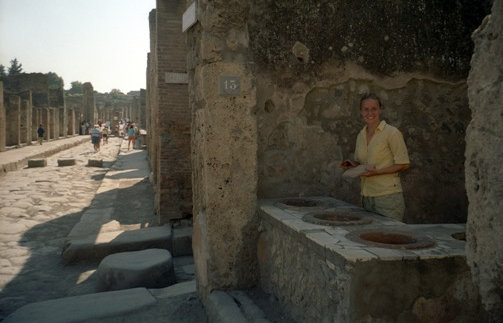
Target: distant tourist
(40,132)
(96,137)
(104,134)
(131,136)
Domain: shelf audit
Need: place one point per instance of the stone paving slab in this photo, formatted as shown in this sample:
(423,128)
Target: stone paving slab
(91,307)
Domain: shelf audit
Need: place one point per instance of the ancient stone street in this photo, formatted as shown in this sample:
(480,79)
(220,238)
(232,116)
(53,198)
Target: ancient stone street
(39,207)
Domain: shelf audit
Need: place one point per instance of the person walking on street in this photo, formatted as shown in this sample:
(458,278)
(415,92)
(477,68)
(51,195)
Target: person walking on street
(131,136)
(96,137)
(40,132)
(104,134)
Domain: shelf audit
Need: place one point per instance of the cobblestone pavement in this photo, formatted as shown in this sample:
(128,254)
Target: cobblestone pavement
(38,208)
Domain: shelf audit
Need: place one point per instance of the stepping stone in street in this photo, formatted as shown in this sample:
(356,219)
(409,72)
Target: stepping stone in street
(66,161)
(95,163)
(101,244)
(37,162)
(150,268)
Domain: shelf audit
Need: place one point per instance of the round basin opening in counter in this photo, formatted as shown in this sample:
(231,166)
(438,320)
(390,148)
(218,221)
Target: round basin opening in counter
(336,218)
(459,236)
(300,202)
(391,239)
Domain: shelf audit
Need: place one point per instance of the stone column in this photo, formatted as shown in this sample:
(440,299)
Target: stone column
(71,122)
(13,121)
(35,121)
(484,156)
(25,122)
(2,119)
(224,149)
(141,112)
(53,120)
(63,122)
(46,122)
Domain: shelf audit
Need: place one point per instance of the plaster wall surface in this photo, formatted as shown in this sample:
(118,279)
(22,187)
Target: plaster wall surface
(484,156)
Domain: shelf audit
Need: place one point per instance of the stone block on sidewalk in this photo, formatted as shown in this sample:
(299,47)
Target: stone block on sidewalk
(66,161)
(37,162)
(150,268)
(182,241)
(95,163)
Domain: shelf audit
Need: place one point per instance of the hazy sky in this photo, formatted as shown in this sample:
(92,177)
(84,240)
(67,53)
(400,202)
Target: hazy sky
(104,42)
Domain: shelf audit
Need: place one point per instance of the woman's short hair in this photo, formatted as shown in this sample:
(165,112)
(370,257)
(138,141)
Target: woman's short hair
(371,95)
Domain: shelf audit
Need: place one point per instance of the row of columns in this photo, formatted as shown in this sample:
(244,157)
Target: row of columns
(19,120)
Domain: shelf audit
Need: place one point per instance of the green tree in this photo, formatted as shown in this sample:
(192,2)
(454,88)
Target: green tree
(76,88)
(55,81)
(3,75)
(116,93)
(15,67)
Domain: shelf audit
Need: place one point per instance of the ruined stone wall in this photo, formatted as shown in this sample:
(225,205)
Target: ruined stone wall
(142,119)
(313,61)
(152,100)
(37,83)
(2,119)
(89,103)
(484,156)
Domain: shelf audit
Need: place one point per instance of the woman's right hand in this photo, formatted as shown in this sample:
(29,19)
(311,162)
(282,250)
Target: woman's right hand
(348,164)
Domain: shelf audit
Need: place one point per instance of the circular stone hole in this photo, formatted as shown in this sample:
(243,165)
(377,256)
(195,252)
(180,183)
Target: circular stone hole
(388,238)
(336,218)
(391,239)
(300,202)
(459,236)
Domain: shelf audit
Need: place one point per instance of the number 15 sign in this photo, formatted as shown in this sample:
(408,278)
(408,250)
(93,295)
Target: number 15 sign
(229,85)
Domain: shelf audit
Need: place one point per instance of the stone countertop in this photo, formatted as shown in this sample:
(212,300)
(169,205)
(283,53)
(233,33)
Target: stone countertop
(334,240)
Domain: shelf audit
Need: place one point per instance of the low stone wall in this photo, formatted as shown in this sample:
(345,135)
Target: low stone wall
(320,275)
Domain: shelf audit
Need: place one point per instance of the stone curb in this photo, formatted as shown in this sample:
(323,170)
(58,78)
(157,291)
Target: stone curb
(85,308)
(17,163)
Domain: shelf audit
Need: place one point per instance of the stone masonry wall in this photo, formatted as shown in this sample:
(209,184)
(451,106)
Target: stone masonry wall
(314,61)
(2,119)
(88,103)
(484,156)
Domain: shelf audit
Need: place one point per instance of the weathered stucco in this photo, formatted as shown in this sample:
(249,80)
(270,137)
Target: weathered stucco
(484,155)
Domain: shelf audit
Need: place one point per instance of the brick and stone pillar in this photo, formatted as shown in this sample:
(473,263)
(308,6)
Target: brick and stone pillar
(141,112)
(13,121)
(224,149)
(2,119)
(174,184)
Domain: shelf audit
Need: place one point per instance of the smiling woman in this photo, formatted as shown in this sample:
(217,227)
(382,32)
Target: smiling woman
(79,40)
(381,148)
